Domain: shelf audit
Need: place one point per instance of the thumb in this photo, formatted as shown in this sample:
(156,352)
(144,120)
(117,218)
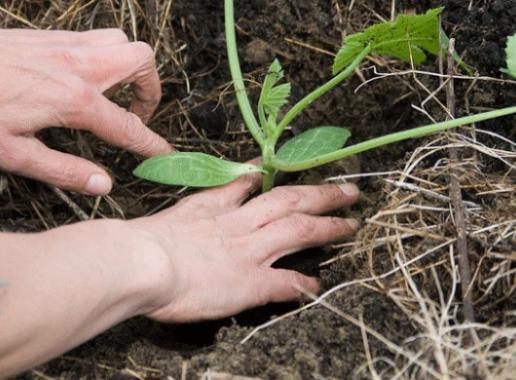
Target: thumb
(62,170)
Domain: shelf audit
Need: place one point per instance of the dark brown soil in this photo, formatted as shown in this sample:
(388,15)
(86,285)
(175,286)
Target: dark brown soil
(317,344)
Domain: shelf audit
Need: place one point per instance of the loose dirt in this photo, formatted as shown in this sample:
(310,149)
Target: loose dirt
(317,343)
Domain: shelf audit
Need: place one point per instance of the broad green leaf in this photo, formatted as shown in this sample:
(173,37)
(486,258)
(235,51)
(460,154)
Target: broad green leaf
(511,56)
(407,36)
(274,97)
(313,143)
(192,169)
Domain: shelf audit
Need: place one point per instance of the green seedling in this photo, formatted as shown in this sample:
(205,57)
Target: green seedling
(409,38)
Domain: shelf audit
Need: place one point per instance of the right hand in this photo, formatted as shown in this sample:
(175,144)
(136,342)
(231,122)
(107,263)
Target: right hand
(219,251)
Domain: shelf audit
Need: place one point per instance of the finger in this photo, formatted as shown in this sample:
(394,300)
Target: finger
(216,202)
(34,160)
(297,232)
(116,125)
(131,63)
(231,196)
(284,201)
(220,200)
(96,37)
(280,285)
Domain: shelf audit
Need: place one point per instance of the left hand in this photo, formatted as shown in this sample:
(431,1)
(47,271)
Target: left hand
(58,79)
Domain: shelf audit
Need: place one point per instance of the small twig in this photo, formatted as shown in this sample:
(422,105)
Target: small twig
(458,205)
(427,192)
(79,212)
(339,287)
(412,231)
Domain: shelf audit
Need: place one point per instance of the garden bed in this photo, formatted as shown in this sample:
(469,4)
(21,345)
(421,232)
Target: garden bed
(397,277)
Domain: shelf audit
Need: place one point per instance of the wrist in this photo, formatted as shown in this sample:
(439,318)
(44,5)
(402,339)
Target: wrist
(124,258)
(151,266)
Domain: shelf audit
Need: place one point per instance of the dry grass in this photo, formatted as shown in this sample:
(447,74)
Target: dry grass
(174,44)
(416,231)
(409,245)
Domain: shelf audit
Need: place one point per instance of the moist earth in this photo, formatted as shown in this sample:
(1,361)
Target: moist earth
(317,344)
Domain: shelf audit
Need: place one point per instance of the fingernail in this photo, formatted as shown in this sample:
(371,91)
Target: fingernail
(353,224)
(98,184)
(350,189)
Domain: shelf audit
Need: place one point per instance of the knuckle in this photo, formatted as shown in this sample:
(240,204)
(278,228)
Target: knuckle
(143,51)
(67,58)
(338,226)
(117,34)
(183,202)
(76,92)
(190,202)
(262,295)
(68,175)
(295,280)
(332,193)
(137,135)
(131,128)
(303,226)
(11,158)
(288,196)
(84,95)
(244,186)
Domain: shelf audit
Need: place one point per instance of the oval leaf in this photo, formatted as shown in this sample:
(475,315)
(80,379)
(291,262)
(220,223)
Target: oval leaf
(313,143)
(192,169)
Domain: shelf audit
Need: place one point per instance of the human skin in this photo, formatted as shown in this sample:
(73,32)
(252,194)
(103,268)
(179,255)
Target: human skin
(57,79)
(207,257)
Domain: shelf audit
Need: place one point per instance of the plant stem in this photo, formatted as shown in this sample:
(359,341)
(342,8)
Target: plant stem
(268,180)
(270,172)
(237,77)
(317,93)
(389,139)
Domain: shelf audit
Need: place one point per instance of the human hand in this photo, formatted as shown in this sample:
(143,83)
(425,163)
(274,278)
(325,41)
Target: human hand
(208,257)
(219,252)
(57,79)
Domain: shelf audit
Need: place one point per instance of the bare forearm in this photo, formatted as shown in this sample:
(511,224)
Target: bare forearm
(61,292)
(207,257)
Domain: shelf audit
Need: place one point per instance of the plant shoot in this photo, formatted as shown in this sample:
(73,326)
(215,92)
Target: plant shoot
(410,38)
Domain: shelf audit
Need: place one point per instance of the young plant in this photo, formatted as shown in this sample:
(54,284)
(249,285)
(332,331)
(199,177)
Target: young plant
(409,38)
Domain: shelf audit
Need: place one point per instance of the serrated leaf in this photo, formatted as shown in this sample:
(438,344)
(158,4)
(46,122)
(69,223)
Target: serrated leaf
(407,36)
(192,169)
(274,75)
(511,56)
(274,97)
(313,143)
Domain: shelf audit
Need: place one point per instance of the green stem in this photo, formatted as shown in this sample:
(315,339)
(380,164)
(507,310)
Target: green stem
(388,139)
(307,100)
(269,171)
(268,180)
(237,77)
